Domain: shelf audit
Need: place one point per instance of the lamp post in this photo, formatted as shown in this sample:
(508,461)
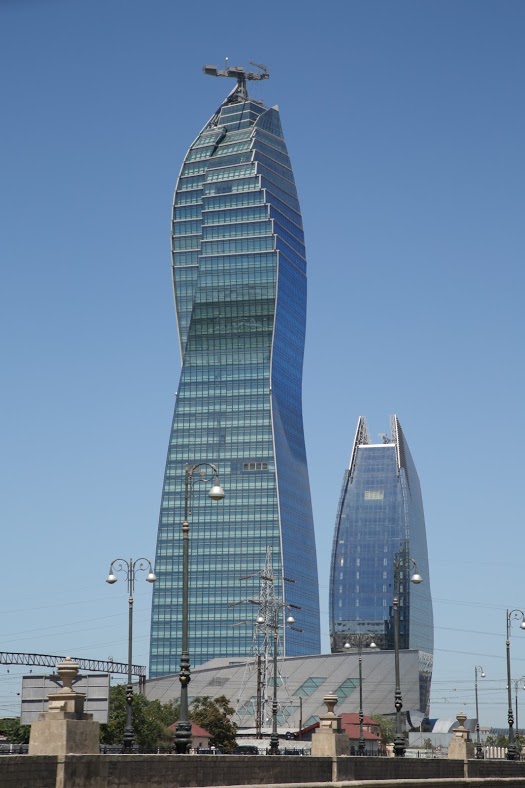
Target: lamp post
(516,685)
(512,749)
(130,569)
(361,746)
(399,740)
(479,750)
(216,493)
(274,738)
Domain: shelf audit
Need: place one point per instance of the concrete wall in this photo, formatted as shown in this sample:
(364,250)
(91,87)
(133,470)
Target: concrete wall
(22,771)
(172,771)
(399,769)
(176,771)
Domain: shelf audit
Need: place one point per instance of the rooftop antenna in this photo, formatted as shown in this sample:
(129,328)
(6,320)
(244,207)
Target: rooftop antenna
(239,93)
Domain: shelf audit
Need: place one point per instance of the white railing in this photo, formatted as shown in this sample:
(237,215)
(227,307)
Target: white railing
(495,752)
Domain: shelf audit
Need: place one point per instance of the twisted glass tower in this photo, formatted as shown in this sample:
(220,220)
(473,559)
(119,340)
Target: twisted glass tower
(380,520)
(239,275)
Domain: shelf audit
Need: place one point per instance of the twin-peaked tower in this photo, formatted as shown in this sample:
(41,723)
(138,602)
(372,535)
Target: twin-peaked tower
(239,276)
(380,525)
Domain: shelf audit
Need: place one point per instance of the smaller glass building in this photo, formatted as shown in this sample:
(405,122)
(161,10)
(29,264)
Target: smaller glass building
(380,521)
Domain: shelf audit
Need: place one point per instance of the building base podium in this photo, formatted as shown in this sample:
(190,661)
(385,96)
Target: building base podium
(460,747)
(64,733)
(329,739)
(65,729)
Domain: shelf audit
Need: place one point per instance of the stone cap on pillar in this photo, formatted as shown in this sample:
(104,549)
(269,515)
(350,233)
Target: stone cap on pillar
(66,699)
(330,719)
(461,731)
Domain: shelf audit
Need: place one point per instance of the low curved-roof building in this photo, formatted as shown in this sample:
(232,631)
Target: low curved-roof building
(302,684)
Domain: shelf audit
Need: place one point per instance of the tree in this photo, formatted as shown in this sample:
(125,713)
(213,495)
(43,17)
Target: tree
(497,740)
(10,728)
(150,720)
(387,728)
(214,715)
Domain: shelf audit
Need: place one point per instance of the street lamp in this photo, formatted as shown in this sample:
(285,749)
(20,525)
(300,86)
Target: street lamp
(274,738)
(361,747)
(216,493)
(130,569)
(512,750)
(516,685)
(479,750)
(270,620)
(290,620)
(399,740)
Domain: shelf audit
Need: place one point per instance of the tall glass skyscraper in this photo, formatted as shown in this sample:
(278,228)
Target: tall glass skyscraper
(239,275)
(380,520)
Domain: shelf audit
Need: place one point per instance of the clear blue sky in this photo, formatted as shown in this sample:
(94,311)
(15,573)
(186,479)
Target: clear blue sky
(405,124)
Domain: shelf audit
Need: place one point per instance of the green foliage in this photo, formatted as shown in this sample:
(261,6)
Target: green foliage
(387,728)
(215,717)
(150,720)
(10,728)
(501,740)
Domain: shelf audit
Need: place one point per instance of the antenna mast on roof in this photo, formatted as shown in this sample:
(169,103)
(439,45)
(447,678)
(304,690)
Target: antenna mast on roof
(239,93)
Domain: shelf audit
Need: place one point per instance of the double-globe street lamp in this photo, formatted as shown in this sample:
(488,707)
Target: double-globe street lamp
(130,569)
(360,639)
(269,619)
(216,493)
(399,563)
(478,670)
(274,625)
(512,749)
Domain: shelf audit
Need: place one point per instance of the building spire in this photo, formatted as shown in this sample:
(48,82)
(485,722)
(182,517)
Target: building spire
(240,92)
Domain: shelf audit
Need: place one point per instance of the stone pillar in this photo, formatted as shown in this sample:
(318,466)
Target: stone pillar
(460,747)
(329,739)
(65,729)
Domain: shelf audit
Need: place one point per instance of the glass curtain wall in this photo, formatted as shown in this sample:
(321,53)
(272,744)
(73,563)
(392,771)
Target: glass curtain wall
(380,521)
(239,274)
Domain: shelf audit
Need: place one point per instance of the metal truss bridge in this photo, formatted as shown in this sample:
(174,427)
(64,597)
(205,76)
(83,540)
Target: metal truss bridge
(95,665)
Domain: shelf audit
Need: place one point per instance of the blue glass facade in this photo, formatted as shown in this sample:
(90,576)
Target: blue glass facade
(239,274)
(380,520)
